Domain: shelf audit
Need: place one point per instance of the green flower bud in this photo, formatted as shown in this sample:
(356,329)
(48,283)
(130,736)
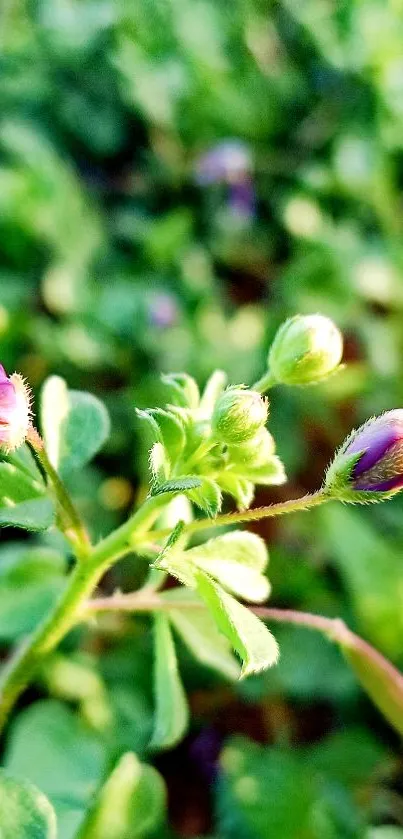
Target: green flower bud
(238,415)
(254,452)
(306,349)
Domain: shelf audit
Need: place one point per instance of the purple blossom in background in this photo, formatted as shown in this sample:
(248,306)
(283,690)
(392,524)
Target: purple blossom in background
(380,469)
(230,162)
(162,310)
(227,162)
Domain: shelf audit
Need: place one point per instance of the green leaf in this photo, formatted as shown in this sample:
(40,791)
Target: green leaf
(177,485)
(76,679)
(183,390)
(204,492)
(159,464)
(387,831)
(351,756)
(339,474)
(176,565)
(207,496)
(130,805)
(25,813)
(178,509)
(85,431)
(241,489)
(75,425)
(147,417)
(53,749)
(167,428)
(37,514)
(23,499)
(266,792)
(127,672)
(172,432)
(31,578)
(214,388)
(171,709)
(200,634)
(54,411)
(172,559)
(236,560)
(240,546)
(24,460)
(271,474)
(250,638)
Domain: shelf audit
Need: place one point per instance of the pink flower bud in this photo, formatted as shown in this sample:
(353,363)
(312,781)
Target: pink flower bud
(15,412)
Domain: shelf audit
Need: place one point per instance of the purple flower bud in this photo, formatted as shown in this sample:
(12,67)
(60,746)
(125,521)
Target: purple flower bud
(380,468)
(15,411)
(369,464)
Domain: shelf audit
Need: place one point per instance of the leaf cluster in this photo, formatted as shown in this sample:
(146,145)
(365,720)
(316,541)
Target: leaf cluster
(187,457)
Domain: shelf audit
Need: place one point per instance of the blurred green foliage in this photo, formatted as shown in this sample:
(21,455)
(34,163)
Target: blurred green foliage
(117,264)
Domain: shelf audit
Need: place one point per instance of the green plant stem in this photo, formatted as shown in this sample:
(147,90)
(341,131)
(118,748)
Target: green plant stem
(378,676)
(256,514)
(71,523)
(69,609)
(265,383)
(80,585)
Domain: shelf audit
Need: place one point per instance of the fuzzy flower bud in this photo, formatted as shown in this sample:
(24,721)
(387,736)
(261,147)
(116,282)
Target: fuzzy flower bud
(14,410)
(369,465)
(306,349)
(255,452)
(238,415)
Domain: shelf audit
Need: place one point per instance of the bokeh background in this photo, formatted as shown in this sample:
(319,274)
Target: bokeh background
(176,178)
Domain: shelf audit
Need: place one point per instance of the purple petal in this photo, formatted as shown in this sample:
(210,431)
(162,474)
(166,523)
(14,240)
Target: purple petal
(375,439)
(383,486)
(386,474)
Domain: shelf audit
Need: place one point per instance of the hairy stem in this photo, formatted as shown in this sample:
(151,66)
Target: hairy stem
(23,664)
(69,609)
(379,678)
(256,514)
(72,525)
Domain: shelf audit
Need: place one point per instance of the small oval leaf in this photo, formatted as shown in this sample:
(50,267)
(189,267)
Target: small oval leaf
(75,425)
(131,802)
(250,638)
(237,560)
(171,708)
(25,813)
(177,485)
